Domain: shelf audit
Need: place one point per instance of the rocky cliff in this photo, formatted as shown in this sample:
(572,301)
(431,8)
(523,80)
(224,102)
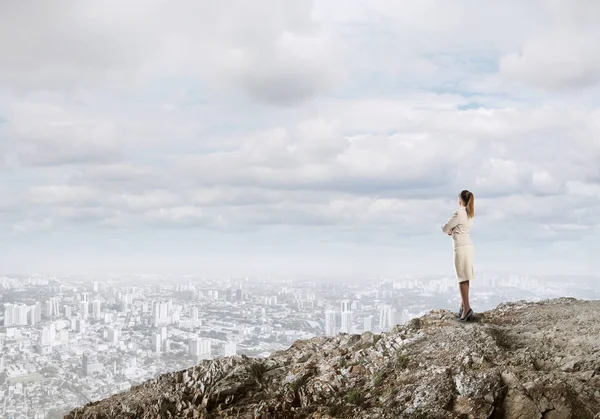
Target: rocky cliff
(521,360)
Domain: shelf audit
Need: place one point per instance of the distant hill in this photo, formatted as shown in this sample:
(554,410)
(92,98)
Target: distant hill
(520,360)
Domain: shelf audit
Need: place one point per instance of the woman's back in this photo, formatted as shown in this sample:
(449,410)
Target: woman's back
(459,226)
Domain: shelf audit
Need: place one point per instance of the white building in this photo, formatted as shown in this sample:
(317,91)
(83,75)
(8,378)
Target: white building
(346,306)
(113,336)
(15,315)
(346,326)
(330,320)
(194,313)
(160,313)
(96,309)
(90,365)
(200,348)
(80,326)
(388,317)
(156,342)
(368,324)
(159,341)
(84,310)
(35,314)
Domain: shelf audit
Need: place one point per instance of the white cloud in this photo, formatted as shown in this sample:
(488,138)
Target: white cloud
(276,52)
(145,117)
(560,60)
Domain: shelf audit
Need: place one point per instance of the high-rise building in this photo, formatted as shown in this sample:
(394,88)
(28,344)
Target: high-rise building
(330,320)
(346,306)
(346,326)
(80,326)
(22,311)
(388,317)
(238,295)
(67,311)
(126,302)
(160,313)
(54,304)
(96,309)
(47,309)
(368,324)
(194,313)
(159,341)
(84,310)
(35,314)
(113,336)
(200,348)
(84,297)
(90,364)
(156,342)
(16,315)
(63,337)
(175,317)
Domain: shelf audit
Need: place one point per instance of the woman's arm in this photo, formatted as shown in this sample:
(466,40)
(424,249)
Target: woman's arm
(452,222)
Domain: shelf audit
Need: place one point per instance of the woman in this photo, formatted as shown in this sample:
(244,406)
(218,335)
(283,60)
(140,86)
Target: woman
(458,227)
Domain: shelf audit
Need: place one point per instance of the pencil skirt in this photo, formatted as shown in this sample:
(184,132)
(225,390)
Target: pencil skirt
(463,263)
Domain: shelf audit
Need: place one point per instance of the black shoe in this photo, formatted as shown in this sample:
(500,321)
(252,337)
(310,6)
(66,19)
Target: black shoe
(468,317)
(460,310)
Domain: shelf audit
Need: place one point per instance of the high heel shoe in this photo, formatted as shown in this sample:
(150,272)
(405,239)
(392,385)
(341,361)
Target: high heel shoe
(460,310)
(468,317)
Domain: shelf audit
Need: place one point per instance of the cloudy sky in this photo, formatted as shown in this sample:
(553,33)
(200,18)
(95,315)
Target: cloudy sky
(298,136)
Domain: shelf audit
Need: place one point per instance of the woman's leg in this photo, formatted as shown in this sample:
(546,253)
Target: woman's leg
(464,295)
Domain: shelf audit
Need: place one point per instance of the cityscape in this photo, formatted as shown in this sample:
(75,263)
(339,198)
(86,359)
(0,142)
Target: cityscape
(67,341)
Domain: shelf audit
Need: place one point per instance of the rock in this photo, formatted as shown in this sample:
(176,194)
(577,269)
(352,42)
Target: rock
(521,360)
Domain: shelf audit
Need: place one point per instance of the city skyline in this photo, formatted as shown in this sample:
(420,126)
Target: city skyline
(66,341)
(320,138)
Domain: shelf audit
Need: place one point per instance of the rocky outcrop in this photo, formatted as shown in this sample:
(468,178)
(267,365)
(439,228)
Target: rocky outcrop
(521,360)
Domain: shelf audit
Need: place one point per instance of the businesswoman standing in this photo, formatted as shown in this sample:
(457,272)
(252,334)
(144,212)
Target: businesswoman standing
(458,226)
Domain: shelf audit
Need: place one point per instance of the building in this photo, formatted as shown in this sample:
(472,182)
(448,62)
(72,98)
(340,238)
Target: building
(35,314)
(194,313)
(63,337)
(126,302)
(368,324)
(113,336)
(96,309)
(46,340)
(90,365)
(159,341)
(156,342)
(330,320)
(388,317)
(84,310)
(346,326)
(80,326)
(346,306)
(67,311)
(160,313)
(16,315)
(200,348)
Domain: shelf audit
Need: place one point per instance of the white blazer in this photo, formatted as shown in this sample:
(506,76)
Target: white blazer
(459,225)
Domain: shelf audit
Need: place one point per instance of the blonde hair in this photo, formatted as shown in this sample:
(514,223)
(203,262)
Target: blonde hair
(469,201)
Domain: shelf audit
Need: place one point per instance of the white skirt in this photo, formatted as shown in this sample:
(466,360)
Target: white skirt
(463,263)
